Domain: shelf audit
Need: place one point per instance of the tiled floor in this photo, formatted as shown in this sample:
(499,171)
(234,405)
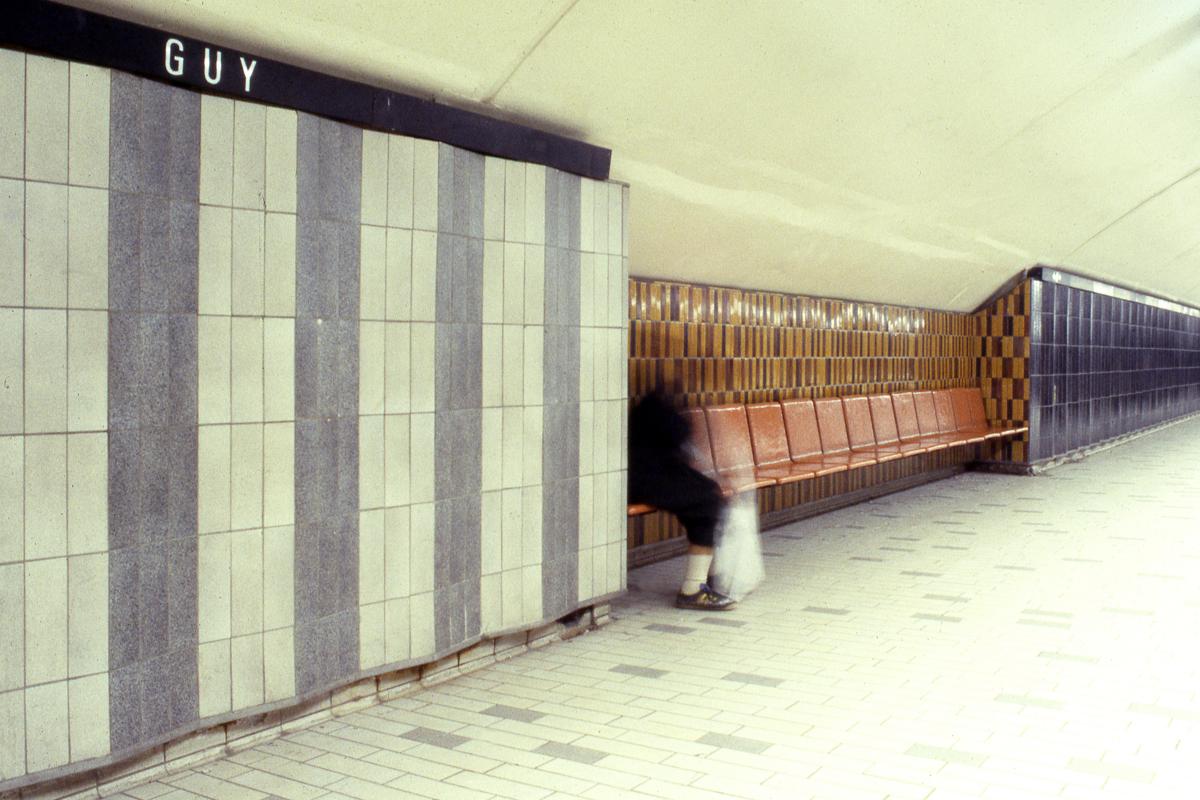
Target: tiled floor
(981,637)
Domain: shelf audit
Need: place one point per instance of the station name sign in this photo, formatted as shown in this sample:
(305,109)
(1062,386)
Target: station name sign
(72,34)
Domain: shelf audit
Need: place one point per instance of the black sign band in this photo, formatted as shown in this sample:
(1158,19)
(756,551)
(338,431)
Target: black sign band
(77,35)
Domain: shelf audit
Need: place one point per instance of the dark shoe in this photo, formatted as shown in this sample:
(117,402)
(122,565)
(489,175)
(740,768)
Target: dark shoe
(706,599)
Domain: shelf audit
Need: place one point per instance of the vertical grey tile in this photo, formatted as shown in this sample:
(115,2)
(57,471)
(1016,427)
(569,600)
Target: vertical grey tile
(124,486)
(154,485)
(307,369)
(157,683)
(124,641)
(307,545)
(182,281)
(571,190)
(124,251)
(154,161)
(347,270)
(474,205)
(308,160)
(444,286)
(346,470)
(446,205)
(155,370)
(183,694)
(124,371)
(155,246)
(467,289)
(182,491)
(181,587)
(461,188)
(347,367)
(125,706)
(308,260)
(182,399)
(184,144)
(124,141)
(152,600)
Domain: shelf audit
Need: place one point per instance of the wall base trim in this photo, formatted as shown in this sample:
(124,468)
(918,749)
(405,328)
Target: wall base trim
(1070,457)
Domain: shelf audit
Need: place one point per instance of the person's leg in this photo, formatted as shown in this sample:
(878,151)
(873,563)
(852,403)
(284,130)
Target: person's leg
(695,568)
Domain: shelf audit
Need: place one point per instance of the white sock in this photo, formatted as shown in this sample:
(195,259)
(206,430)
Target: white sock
(695,572)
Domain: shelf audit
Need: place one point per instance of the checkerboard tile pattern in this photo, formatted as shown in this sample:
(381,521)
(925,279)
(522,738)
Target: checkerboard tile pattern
(983,637)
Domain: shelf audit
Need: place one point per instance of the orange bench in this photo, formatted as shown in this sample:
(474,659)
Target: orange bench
(764,444)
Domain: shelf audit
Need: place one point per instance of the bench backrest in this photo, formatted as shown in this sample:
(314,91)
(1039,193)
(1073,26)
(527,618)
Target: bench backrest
(858,422)
(883,419)
(800,421)
(768,437)
(831,422)
(730,437)
(699,441)
(926,413)
(906,416)
(968,408)
(943,406)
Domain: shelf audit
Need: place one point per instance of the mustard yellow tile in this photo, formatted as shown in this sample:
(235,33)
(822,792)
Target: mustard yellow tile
(213,478)
(214,677)
(87,629)
(87,370)
(12,371)
(372,255)
(215,264)
(12,498)
(279,368)
(246,670)
(87,248)
(88,716)
(46,215)
(45,496)
(401,175)
(279,664)
(45,620)
(425,185)
(514,201)
(281,160)
(249,155)
(279,466)
(278,576)
(374,186)
(12,116)
(246,582)
(216,150)
(246,474)
(88,132)
(46,114)
(12,241)
(372,366)
(424,275)
(248,262)
(398,274)
(279,267)
(397,394)
(87,493)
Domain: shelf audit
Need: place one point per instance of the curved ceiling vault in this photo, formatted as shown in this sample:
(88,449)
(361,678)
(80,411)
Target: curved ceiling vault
(919,152)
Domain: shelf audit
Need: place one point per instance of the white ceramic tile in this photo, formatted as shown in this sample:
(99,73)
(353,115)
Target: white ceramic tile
(371,636)
(400,183)
(45,496)
(281,160)
(493,282)
(492,458)
(279,265)
(424,275)
(599,569)
(278,577)
(587,220)
(397,391)
(12,627)
(87,248)
(216,150)
(372,271)
(279,469)
(45,620)
(531,461)
(246,476)
(532,371)
(214,369)
(12,720)
(514,201)
(87,628)
(511,598)
(584,572)
(88,125)
(513,290)
(425,185)
(246,383)
(12,498)
(46,237)
(46,117)
(248,262)
(535,284)
(587,314)
(616,411)
(493,365)
(215,265)
(586,512)
(87,493)
(513,363)
(12,371)
(213,577)
(513,446)
(617,486)
(493,198)
(371,366)
(600,437)
(421,537)
(371,564)
(600,220)
(47,726)
(421,625)
(87,370)
(512,542)
(535,204)
(491,602)
(246,670)
(397,544)
(12,241)
(423,366)
(531,592)
(214,679)
(531,525)
(615,216)
(601,361)
(601,313)
(249,155)
(397,624)
(625,225)
(279,664)
(373,188)
(213,478)
(617,293)
(279,368)
(12,118)
(246,582)
(399,274)
(89,724)
(397,459)
(491,532)
(45,371)
(421,461)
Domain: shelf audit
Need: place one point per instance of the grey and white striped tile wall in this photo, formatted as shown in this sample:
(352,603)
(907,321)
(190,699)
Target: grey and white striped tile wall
(283,403)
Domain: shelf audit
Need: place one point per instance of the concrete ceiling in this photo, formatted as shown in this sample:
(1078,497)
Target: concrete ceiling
(919,152)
